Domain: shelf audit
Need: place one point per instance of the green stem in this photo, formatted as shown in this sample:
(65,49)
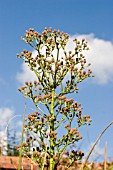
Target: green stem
(22,137)
(38,107)
(60,154)
(52,140)
(55,66)
(44,160)
(59,124)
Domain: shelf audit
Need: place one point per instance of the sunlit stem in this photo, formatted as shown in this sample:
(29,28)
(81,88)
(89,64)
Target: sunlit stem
(52,140)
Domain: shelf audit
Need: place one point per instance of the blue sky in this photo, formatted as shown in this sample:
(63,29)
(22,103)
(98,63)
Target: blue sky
(82,18)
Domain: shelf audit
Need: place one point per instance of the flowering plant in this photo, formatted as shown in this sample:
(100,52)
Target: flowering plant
(58,74)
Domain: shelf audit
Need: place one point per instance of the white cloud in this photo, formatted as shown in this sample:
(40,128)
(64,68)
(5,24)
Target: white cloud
(100,56)
(25,74)
(5,114)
